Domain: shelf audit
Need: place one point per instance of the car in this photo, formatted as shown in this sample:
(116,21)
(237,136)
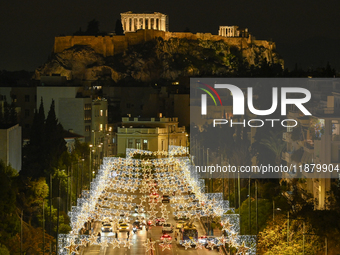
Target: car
(154,195)
(180,224)
(137,224)
(106,227)
(166,198)
(141,220)
(167,227)
(123,227)
(183,217)
(166,236)
(159,221)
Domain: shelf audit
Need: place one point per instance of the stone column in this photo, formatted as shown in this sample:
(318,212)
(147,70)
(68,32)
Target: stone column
(128,24)
(164,23)
(123,24)
(149,23)
(138,26)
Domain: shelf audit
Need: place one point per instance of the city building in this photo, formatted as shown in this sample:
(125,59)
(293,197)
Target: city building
(72,109)
(150,134)
(25,101)
(315,140)
(11,146)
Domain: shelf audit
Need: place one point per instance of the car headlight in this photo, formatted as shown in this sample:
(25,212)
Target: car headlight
(102,229)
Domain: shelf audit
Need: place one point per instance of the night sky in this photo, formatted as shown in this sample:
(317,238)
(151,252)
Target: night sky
(305,31)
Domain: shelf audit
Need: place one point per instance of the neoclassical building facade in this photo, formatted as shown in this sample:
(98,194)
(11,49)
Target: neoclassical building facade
(134,21)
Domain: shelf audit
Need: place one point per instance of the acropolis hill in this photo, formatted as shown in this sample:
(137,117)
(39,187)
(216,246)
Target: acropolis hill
(114,44)
(143,29)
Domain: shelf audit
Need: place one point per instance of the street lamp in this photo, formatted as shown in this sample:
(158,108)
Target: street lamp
(90,166)
(186,143)
(275,209)
(82,174)
(58,211)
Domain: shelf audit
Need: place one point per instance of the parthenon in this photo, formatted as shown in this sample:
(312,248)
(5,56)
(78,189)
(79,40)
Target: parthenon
(133,21)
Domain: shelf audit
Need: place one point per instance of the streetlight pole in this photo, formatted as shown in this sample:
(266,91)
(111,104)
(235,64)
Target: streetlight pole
(43,225)
(51,204)
(67,197)
(77,189)
(90,166)
(22,212)
(256,204)
(303,241)
(249,190)
(186,143)
(288,228)
(239,198)
(82,174)
(58,218)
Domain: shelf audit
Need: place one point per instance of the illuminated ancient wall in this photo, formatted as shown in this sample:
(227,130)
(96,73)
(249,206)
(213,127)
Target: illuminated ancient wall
(111,45)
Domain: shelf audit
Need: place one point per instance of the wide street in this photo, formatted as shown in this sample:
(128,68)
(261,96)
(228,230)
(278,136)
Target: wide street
(155,232)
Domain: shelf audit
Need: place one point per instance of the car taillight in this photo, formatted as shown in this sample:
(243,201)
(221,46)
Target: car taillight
(162,238)
(169,237)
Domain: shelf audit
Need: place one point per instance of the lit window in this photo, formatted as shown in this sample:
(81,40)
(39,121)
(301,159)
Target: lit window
(101,127)
(106,113)
(138,144)
(101,112)
(145,144)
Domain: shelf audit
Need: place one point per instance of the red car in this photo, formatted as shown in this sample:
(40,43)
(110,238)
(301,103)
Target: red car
(154,195)
(166,236)
(159,221)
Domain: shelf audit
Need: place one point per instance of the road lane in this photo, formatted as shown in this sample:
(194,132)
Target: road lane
(155,232)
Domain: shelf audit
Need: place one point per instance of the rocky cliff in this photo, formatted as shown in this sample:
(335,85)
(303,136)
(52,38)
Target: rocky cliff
(159,59)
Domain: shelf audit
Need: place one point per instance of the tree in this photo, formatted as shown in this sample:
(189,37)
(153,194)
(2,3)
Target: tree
(9,223)
(31,195)
(92,27)
(4,250)
(275,143)
(33,152)
(119,28)
(54,143)
(32,241)
(264,212)
(273,239)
